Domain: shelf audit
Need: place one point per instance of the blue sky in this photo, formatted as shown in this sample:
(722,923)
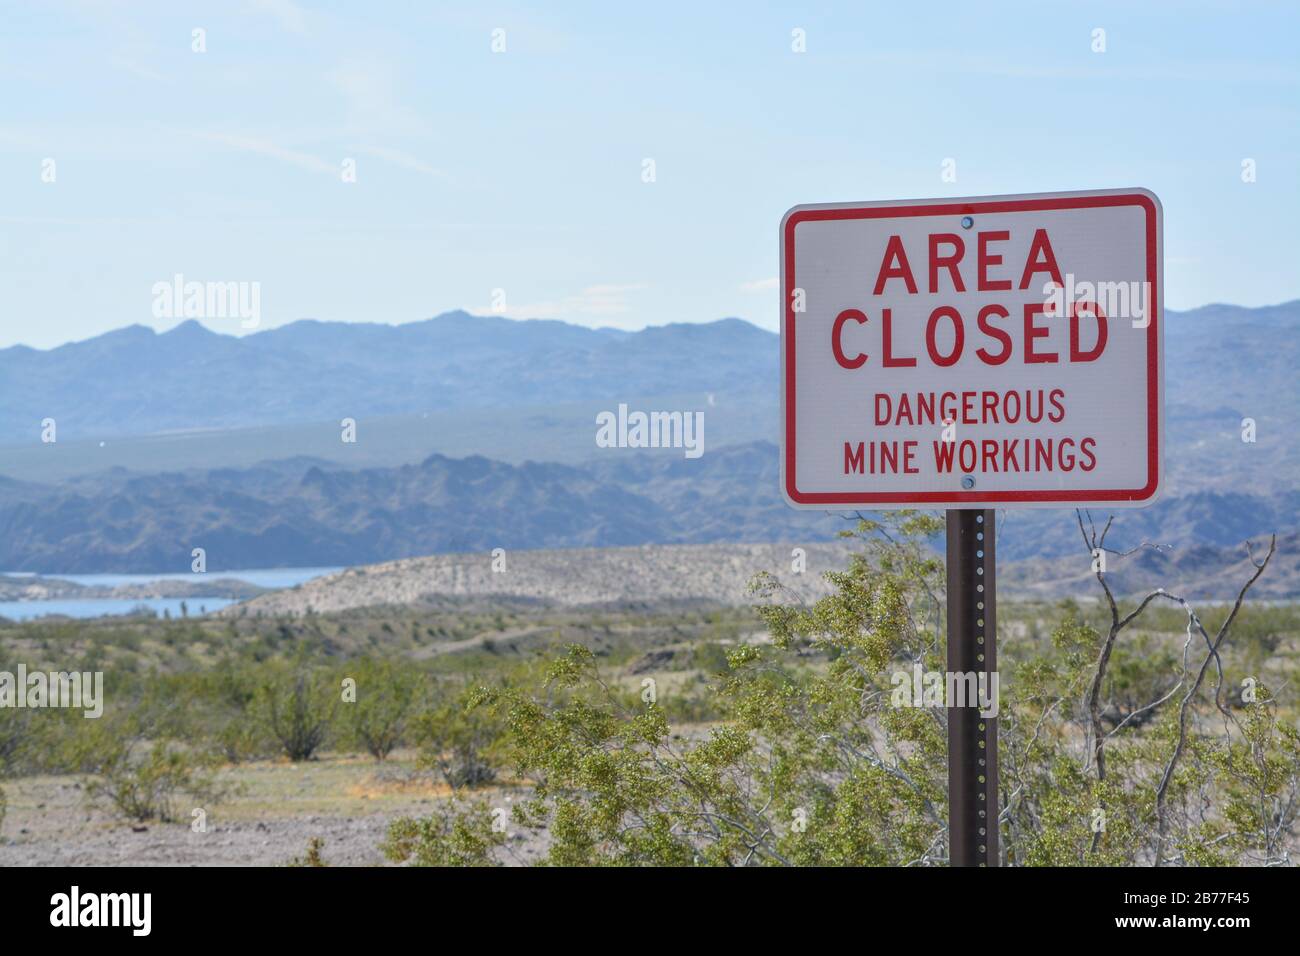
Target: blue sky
(522,170)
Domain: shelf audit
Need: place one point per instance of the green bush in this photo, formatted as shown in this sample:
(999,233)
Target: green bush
(15,738)
(462,741)
(817,762)
(143,782)
(385,699)
(313,857)
(298,705)
(450,836)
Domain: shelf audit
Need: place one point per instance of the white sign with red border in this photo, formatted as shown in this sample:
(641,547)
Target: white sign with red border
(966,353)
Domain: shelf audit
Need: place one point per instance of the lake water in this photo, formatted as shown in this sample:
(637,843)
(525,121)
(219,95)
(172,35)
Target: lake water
(99,607)
(263,577)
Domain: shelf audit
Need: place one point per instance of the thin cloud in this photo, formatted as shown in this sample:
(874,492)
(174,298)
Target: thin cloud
(403,159)
(760,285)
(369,88)
(127,65)
(262,147)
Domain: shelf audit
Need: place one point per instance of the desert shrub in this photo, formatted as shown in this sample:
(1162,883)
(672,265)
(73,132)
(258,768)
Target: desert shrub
(461,740)
(298,705)
(385,699)
(62,747)
(1257,772)
(313,857)
(450,836)
(15,738)
(816,762)
(143,781)
(227,711)
(693,705)
(240,738)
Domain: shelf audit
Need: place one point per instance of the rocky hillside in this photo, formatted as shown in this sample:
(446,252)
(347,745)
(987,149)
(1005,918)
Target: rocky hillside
(715,574)
(720,574)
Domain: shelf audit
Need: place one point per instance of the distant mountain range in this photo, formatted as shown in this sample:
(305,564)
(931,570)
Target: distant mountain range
(430,393)
(135,381)
(307,513)
(511,390)
(302,513)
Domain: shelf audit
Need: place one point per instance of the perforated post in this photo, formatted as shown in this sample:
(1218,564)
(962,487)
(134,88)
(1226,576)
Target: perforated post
(972,649)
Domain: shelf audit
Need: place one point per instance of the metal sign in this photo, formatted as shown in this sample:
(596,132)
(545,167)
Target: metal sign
(971,353)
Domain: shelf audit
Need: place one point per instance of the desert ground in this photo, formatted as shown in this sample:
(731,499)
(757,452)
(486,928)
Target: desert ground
(345,800)
(670,614)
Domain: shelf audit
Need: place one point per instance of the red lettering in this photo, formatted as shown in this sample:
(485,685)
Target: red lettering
(895,266)
(991,408)
(1076,354)
(1034,331)
(992,330)
(1040,246)
(848,315)
(967,446)
(1055,396)
(882,419)
(943,361)
(887,335)
(985,259)
(948,262)
(888,456)
(853,459)
(904,410)
(1086,446)
(988,450)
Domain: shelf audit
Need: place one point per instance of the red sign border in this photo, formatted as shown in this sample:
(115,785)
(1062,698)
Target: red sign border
(963,207)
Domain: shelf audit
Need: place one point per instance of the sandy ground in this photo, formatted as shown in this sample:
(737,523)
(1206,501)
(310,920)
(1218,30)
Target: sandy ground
(346,801)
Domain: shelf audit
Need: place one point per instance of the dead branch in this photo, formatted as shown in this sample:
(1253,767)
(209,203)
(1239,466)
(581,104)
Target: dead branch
(1184,710)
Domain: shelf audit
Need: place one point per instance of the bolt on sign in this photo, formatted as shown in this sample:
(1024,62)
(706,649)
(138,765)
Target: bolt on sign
(967,353)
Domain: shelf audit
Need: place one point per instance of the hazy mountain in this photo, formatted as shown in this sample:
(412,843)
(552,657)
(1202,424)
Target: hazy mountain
(296,513)
(135,382)
(511,390)
(498,387)
(521,386)
(302,512)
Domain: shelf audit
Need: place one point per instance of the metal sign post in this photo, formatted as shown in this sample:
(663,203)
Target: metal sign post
(972,649)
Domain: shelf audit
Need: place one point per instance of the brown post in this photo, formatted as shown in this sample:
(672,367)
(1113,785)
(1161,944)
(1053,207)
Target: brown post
(972,648)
